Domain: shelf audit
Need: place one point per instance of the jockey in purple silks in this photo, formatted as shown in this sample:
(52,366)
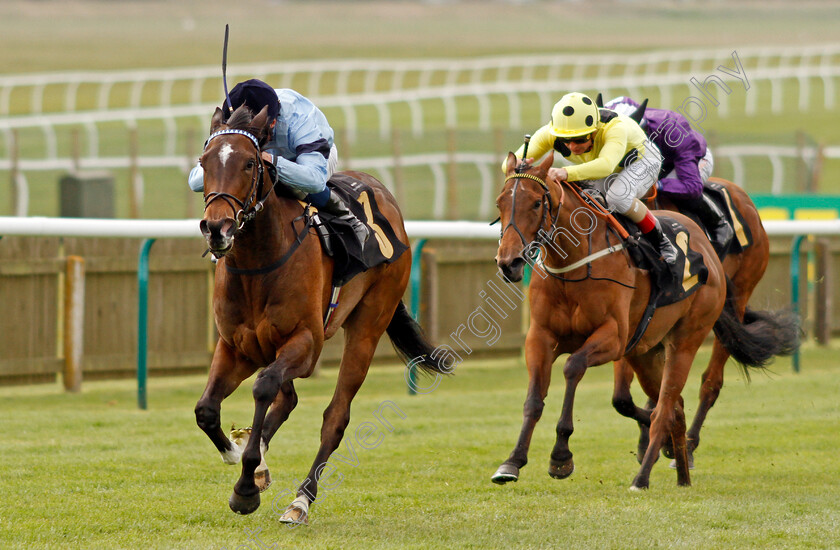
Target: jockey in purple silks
(687,163)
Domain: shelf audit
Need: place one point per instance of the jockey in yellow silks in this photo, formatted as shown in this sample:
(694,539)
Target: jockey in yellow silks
(609,152)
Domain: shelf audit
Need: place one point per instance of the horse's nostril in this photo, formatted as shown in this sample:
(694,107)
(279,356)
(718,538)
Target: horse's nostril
(228,228)
(217,229)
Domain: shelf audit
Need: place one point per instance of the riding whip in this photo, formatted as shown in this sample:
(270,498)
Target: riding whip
(521,166)
(224,69)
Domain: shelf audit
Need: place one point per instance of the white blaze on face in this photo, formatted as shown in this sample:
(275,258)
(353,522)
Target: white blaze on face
(225,152)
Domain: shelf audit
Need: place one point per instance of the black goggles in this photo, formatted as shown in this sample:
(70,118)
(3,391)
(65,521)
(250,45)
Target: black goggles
(578,140)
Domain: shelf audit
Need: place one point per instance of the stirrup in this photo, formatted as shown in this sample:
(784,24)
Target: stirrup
(672,251)
(361,230)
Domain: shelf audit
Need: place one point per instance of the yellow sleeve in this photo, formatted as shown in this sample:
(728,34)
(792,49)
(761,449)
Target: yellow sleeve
(541,143)
(612,150)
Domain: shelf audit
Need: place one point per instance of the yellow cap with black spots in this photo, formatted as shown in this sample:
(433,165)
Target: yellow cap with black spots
(574,115)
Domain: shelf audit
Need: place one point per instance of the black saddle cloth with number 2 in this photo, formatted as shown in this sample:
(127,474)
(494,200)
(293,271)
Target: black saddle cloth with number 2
(382,245)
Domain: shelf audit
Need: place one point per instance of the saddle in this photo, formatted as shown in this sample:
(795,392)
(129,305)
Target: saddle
(340,242)
(669,283)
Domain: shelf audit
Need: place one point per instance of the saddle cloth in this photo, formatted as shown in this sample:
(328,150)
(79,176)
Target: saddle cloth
(679,281)
(743,237)
(340,241)
(669,284)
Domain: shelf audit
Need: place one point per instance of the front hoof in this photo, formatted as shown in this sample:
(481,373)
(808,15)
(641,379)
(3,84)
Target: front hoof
(244,504)
(505,473)
(297,513)
(561,470)
(635,489)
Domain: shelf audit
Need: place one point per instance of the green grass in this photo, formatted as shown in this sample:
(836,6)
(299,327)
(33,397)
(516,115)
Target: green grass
(92,471)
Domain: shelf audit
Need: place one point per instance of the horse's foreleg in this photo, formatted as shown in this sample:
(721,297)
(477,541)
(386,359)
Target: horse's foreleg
(602,345)
(361,337)
(225,376)
(281,408)
(540,355)
(293,360)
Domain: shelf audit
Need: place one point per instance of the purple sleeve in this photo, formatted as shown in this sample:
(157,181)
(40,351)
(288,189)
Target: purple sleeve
(683,148)
(688,184)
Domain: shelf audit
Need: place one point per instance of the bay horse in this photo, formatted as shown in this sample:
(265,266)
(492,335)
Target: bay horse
(593,308)
(272,291)
(744,268)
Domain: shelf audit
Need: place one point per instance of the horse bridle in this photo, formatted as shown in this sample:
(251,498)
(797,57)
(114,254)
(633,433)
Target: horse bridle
(246,212)
(546,204)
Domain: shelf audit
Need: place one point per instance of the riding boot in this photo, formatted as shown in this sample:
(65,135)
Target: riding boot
(651,230)
(335,205)
(661,244)
(712,219)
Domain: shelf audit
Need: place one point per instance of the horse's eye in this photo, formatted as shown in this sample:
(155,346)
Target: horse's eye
(537,204)
(250,164)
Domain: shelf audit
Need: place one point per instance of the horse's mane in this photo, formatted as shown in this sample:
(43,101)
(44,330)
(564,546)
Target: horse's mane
(241,120)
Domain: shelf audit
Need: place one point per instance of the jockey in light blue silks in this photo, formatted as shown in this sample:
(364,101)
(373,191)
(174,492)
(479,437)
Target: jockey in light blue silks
(301,147)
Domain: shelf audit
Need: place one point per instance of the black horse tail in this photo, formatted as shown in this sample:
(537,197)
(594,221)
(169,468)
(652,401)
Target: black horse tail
(412,346)
(761,336)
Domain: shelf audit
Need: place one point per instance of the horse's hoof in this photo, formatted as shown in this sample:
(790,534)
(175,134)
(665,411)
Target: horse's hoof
(505,473)
(297,513)
(673,464)
(635,489)
(561,470)
(244,504)
(262,479)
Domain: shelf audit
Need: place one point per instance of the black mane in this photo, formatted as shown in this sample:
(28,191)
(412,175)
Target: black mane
(241,120)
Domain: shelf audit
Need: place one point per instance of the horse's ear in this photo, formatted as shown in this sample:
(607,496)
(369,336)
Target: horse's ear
(217,120)
(261,121)
(510,163)
(547,162)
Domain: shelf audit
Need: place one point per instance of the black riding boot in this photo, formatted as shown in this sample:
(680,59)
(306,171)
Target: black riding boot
(712,219)
(661,244)
(337,207)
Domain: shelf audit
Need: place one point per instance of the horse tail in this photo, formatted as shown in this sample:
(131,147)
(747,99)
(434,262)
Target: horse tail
(411,343)
(761,336)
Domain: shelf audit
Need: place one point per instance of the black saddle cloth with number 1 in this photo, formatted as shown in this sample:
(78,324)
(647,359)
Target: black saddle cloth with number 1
(382,245)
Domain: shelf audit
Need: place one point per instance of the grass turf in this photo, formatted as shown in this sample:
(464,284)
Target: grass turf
(90,470)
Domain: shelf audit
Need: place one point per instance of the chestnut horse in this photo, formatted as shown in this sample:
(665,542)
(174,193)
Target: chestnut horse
(592,310)
(744,270)
(272,292)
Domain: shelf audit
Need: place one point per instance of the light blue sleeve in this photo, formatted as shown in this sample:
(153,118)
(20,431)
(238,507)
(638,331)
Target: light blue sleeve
(196,179)
(306,137)
(309,173)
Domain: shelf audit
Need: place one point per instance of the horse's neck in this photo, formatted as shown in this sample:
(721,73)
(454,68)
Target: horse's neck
(268,235)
